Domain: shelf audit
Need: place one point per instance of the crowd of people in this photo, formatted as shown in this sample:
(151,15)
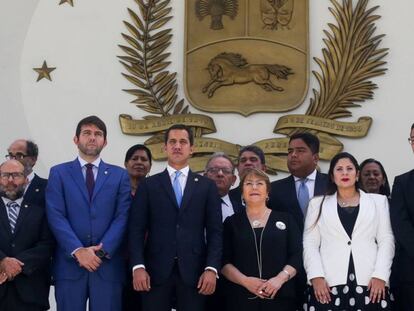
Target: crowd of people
(117,238)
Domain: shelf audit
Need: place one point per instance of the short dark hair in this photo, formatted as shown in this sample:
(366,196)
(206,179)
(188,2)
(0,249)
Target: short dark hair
(91,120)
(412,126)
(309,139)
(256,150)
(32,149)
(136,147)
(180,127)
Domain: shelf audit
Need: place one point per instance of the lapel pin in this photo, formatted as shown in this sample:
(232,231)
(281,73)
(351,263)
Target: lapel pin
(26,206)
(196,179)
(37,190)
(106,172)
(280,225)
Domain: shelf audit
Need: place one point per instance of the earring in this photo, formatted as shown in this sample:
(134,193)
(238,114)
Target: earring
(242,201)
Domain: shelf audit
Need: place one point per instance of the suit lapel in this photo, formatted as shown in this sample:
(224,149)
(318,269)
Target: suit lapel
(291,193)
(192,180)
(24,211)
(331,209)
(103,173)
(166,184)
(76,173)
(4,219)
(320,184)
(365,208)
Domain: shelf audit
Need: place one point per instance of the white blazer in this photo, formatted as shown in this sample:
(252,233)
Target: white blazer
(327,247)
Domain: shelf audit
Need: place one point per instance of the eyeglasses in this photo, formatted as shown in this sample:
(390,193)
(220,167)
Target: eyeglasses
(257,184)
(17,156)
(411,140)
(216,170)
(14,175)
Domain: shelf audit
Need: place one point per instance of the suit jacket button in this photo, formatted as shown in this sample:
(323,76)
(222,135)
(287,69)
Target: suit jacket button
(349,243)
(13,245)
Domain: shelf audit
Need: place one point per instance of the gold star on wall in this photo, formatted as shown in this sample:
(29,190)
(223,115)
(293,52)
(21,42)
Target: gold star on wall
(66,1)
(44,72)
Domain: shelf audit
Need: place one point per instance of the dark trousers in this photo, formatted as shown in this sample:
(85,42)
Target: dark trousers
(404,297)
(173,291)
(11,301)
(218,300)
(131,299)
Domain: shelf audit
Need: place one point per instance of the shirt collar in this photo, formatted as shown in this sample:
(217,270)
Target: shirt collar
(226,200)
(184,171)
(311,176)
(31,176)
(18,201)
(95,163)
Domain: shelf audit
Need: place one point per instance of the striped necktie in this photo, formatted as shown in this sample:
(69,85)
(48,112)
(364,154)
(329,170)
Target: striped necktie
(13,213)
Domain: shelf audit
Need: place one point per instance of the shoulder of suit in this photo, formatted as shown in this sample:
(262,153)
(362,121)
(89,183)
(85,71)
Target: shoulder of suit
(281,181)
(377,198)
(317,200)
(405,175)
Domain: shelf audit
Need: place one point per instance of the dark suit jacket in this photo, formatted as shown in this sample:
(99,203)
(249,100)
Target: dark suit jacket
(281,245)
(76,221)
(32,243)
(192,232)
(35,194)
(283,196)
(235,196)
(237,205)
(402,221)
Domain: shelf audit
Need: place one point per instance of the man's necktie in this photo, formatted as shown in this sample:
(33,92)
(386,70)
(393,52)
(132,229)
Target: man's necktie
(13,213)
(90,179)
(303,195)
(177,188)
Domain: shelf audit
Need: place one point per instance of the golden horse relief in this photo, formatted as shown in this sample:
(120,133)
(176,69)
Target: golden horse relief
(276,13)
(227,69)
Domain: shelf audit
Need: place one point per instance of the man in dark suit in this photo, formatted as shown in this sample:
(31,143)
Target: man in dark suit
(220,169)
(178,213)
(292,194)
(87,204)
(26,245)
(402,221)
(26,152)
(249,157)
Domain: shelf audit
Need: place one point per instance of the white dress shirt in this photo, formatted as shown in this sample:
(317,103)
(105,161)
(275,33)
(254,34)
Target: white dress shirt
(94,168)
(226,207)
(18,201)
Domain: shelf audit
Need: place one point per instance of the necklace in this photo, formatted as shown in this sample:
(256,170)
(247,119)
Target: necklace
(258,222)
(353,201)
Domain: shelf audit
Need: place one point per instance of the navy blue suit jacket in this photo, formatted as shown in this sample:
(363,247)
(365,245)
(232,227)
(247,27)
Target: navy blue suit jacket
(35,194)
(283,196)
(192,233)
(76,221)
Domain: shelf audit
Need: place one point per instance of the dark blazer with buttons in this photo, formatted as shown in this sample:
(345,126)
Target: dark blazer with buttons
(35,194)
(402,221)
(32,243)
(283,196)
(281,245)
(192,233)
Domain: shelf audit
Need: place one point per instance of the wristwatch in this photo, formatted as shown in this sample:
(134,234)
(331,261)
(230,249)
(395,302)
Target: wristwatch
(101,253)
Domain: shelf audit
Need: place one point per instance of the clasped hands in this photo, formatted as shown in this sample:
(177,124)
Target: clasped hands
(9,268)
(87,258)
(265,289)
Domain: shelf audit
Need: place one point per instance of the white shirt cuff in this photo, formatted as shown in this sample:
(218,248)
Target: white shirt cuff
(212,269)
(137,267)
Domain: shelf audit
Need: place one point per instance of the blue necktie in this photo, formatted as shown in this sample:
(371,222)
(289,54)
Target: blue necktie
(303,195)
(177,188)
(13,214)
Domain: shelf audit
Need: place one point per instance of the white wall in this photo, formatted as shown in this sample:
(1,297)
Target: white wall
(82,43)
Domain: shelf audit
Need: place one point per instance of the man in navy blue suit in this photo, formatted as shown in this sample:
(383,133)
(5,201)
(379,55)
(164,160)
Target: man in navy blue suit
(175,232)
(87,203)
(292,194)
(220,169)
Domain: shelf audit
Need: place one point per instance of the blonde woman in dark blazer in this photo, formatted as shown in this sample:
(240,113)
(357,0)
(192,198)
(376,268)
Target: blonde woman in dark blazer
(348,244)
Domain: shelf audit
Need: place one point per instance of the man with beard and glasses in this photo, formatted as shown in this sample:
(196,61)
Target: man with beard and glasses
(26,245)
(87,203)
(26,152)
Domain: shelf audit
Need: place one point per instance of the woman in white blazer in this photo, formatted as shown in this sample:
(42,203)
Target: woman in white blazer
(348,244)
